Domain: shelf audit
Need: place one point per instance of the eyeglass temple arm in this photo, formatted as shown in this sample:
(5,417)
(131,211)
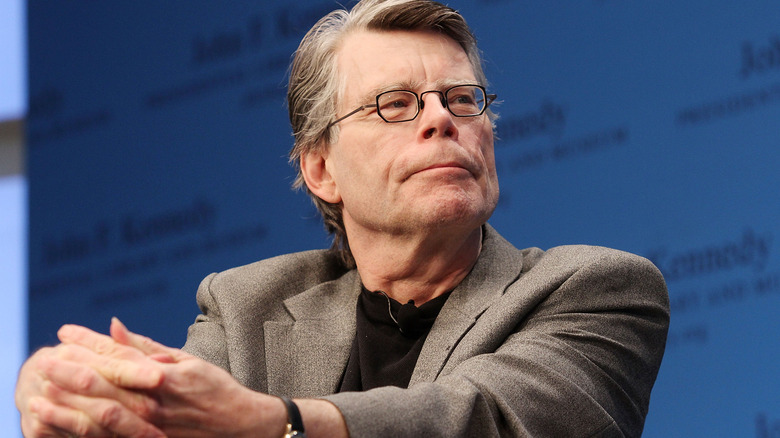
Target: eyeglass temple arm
(357,110)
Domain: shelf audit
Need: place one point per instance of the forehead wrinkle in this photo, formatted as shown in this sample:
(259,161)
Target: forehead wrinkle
(411,78)
(398,85)
(416,86)
(443,84)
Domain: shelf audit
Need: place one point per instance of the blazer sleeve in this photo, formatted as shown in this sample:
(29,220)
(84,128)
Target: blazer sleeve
(571,349)
(206,337)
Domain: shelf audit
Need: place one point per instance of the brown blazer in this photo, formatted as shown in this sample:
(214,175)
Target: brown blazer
(565,342)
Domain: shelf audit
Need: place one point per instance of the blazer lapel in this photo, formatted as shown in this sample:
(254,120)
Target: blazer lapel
(307,354)
(499,264)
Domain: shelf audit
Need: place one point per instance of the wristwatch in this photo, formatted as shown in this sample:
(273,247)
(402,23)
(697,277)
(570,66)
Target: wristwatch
(294,420)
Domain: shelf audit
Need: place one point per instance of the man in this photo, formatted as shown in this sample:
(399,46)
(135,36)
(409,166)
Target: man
(420,321)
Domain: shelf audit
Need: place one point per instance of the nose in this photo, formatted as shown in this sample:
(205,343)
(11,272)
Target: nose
(435,118)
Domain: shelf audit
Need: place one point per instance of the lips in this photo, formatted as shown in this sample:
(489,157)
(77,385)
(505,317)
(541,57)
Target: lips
(441,159)
(445,165)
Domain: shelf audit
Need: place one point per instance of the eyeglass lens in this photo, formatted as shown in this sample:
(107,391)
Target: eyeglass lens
(402,106)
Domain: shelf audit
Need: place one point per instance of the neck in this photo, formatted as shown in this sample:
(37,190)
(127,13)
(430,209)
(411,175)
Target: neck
(418,268)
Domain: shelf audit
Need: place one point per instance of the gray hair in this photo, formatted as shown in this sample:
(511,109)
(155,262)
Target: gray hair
(315,86)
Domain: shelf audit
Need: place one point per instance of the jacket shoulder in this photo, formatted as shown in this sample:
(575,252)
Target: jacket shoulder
(571,258)
(307,267)
(275,278)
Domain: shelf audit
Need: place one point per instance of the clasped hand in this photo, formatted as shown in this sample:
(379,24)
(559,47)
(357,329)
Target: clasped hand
(127,385)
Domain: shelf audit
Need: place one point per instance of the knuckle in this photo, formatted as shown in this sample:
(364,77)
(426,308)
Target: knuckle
(107,347)
(64,352)
(84,380)
(36,428)
(188,374)
(147,341)
(82,425)
(145,407)
(103,348)
(44,413)
(192,367)
(50,390)
(41,363)
(45,365)
(163,415)
(109,415)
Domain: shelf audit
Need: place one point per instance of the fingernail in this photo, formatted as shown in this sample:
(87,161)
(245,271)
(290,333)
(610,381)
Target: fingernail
(115,320)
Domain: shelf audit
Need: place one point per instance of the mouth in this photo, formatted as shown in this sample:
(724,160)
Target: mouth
(451,165)
(449,169)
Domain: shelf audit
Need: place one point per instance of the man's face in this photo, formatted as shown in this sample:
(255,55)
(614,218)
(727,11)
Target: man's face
(437,170)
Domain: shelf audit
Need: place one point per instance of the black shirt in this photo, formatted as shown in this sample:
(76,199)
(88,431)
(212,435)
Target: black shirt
(388,340)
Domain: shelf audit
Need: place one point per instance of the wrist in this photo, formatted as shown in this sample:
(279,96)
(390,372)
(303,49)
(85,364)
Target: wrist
(322,419)
(267,417)
(295,427)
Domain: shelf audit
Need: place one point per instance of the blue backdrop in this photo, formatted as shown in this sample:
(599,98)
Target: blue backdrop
(157,141)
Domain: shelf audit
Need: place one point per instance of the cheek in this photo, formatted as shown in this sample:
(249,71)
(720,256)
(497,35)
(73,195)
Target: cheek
(487,153)
(490,157)
(485,141)
(358,160)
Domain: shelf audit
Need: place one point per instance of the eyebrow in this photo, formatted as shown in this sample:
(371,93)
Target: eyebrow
(370,96)
(441,84)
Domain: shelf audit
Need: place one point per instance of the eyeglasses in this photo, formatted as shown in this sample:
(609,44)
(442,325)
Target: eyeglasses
(403,105)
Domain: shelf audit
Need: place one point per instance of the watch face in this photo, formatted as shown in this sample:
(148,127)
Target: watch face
(293,433)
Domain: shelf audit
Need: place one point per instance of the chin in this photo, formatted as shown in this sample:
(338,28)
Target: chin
(462,211)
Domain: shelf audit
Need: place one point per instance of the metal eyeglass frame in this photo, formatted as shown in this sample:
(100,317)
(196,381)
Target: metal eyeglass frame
(489,98)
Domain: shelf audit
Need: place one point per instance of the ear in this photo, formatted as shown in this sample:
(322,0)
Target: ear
(314,168)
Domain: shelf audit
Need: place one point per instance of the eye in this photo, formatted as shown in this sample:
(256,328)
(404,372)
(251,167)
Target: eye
(462,99)
(397,105)
(396,100)
(466,100)
(402,103)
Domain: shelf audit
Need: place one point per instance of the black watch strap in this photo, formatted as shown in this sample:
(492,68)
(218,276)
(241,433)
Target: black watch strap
(294,420)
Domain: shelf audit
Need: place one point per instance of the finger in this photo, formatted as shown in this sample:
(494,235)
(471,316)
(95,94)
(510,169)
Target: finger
(62,375)
(159,352)
(108,414)
(28,387)
(52,420)
(32,426)
(97,342)
(138,373)
(91,417)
